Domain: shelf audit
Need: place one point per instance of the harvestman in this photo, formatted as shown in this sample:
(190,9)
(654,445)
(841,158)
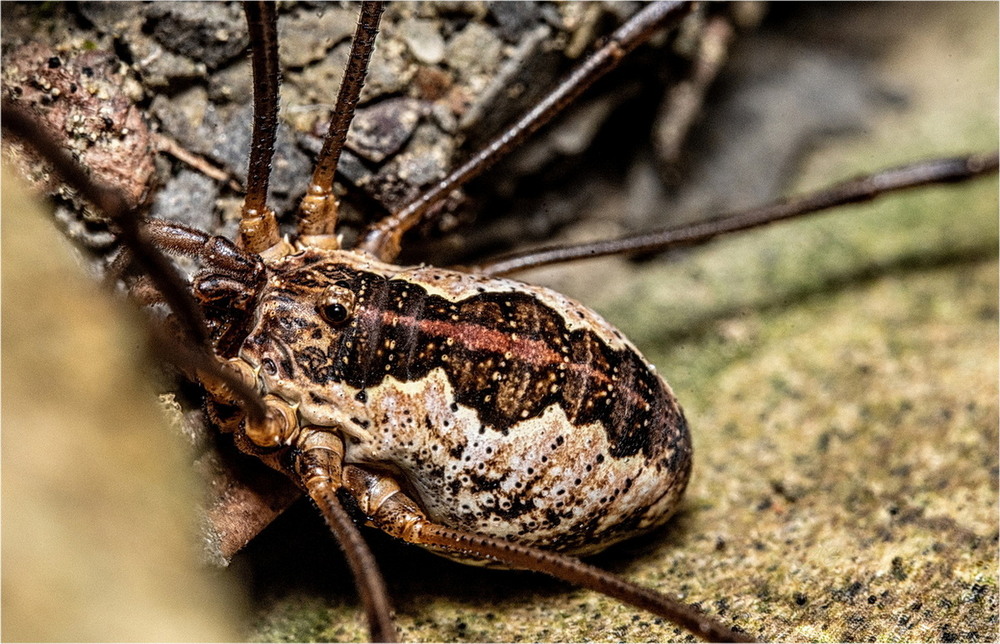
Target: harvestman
(267,427)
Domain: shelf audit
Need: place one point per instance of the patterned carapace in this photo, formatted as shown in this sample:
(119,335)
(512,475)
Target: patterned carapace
(505,409)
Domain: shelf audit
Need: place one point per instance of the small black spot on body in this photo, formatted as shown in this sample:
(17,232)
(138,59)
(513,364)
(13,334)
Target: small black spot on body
(553,518)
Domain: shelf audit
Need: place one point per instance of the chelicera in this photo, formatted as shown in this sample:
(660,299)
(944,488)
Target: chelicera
(305,292)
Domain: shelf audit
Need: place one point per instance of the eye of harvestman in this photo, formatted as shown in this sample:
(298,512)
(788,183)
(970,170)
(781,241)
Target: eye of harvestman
(336,305)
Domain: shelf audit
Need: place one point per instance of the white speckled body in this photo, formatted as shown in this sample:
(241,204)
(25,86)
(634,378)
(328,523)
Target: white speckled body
(502,408)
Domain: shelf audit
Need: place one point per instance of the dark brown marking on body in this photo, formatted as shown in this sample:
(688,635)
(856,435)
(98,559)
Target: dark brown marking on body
(506,355)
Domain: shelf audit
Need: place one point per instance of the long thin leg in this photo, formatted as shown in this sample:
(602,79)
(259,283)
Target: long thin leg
(318,467)
(113,205)
(258,226)
(145,252)
(861,189)
(389,509)
(575,572)
(383,239)
(319,208)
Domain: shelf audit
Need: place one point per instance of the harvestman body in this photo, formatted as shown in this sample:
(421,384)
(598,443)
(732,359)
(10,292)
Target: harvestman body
(482,418)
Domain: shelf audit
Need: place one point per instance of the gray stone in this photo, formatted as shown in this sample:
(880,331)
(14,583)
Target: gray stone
(423,37)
